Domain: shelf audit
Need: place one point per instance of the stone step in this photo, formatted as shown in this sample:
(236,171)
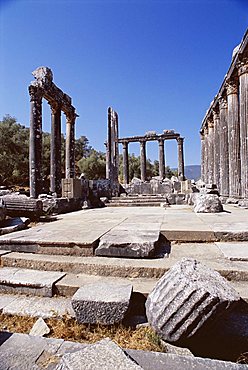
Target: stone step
(207,253)
(134,204)
(69,284)
(137,200)
(27,281)
(45,307)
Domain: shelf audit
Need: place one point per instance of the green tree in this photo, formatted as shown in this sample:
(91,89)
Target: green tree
(93,166)
(14,147)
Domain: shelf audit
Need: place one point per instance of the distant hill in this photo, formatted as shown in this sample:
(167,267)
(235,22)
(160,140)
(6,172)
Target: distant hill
(193,172)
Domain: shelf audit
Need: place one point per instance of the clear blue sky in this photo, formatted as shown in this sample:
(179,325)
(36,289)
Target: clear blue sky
(157,63)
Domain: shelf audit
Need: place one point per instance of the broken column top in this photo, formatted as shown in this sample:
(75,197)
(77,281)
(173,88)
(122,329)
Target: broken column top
(43,75)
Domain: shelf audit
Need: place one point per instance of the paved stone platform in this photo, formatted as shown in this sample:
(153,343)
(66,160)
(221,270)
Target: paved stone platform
(43,353)
(78,233)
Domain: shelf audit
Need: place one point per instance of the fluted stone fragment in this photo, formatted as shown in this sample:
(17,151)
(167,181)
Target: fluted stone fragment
(185,298)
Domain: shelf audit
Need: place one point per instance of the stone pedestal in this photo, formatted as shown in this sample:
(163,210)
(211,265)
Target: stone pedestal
(143,160)
(161,159)
(224,156)
(55,165)
(243,101)
(35,143)
(125,163)
(233,138)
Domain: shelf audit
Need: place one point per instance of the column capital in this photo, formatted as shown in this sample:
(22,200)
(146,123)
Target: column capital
(216,114)
(210,123)
(231,86)
(35,93)
(180,140)
(55,107)
(124,144)
(242,66)
(222,102)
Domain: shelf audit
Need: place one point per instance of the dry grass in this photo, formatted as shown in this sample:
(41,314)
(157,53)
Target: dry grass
(67,328)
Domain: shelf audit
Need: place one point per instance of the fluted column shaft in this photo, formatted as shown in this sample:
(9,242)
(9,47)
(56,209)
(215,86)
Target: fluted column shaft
(210,151)
(202,156)
(216,118)
(125,163)
(143,160)
(233,138)
(55,163)
(243,101)
(35,142)
(224,156)
(206,146)
(180,159)
(70,148)
(161,159)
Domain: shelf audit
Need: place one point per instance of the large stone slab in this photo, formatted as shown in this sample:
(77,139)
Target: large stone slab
(129,243)
(103,355)
(234,251)
(22,351)
(24,281)
(44,307)
(103,303)
(185,298)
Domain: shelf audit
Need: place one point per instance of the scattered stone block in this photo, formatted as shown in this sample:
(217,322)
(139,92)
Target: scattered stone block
(25,281)
(103,355)
(207,203)
(39,328)
(102,303)
(185,298)
(127,243)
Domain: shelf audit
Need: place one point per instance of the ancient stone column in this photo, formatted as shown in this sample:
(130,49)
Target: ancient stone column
(107,159)
(224,156)
(116,147)
(143,160)
(125,162)
(35,143)
(210,151)
(243,113)
(70,147)
(216,118)
(181,176)
(206,147)
(55,165)
(233,138)
(202,156)
(161,159)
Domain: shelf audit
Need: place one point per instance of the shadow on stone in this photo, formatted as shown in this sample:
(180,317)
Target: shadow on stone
(137,312)
(226,339)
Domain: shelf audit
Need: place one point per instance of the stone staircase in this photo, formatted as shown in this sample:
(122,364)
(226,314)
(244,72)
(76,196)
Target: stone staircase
(137,201)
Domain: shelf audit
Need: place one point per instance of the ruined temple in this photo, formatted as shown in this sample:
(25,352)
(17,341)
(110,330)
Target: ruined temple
(43,87)
(224,130)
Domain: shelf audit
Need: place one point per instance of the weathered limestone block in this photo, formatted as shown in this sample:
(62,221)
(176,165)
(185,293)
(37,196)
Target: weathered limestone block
(127,243)
(185,298)
(2,210)
(103,303)
(207,203)
(103,355)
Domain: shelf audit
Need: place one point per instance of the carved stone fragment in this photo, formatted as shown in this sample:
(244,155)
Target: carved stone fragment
(185,298)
